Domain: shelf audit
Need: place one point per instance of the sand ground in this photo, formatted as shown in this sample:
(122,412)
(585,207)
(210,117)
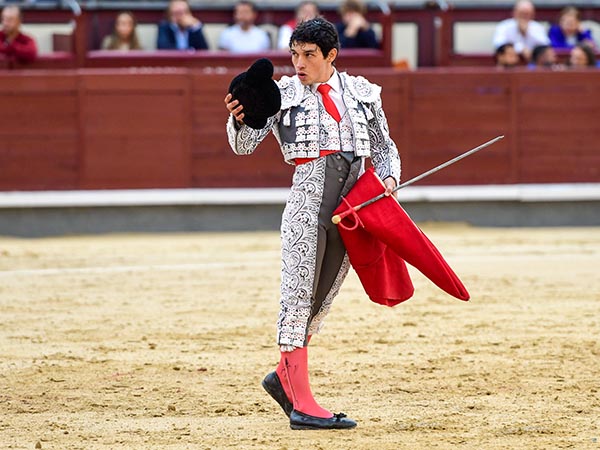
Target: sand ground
(161,341)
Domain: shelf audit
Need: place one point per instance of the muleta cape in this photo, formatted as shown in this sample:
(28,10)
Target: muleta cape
(381,237)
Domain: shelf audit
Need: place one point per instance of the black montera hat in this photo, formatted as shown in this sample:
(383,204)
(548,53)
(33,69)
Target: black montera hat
(257,93)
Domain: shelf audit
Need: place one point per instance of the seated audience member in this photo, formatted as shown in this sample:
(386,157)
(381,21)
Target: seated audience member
(14,44)
(521,30)
(582,56)
(354,29)
(182,31)
(506,56)
(244,36)
(304,11)
(569,31)
(124,35)
(543,56)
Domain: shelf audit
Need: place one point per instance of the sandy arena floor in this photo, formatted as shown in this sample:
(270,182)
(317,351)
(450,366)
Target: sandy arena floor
(161,341)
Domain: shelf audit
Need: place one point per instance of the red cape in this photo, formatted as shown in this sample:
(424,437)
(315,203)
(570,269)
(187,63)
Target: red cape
(380,237)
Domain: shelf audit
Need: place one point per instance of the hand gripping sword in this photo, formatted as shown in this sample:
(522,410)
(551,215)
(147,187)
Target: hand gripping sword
(338,217)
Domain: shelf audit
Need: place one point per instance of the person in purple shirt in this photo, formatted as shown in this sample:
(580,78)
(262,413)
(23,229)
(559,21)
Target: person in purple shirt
(569,31)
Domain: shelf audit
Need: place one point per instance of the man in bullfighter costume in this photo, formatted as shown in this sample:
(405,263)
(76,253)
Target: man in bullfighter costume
(328,122)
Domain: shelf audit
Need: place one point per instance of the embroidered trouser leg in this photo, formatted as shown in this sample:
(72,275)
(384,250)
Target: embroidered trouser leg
(314,262)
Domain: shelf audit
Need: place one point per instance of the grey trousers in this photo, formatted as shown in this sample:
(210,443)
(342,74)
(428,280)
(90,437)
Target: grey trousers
(314,261)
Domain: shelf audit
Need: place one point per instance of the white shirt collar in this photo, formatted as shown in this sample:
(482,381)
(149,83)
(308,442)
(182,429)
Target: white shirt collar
(334,82)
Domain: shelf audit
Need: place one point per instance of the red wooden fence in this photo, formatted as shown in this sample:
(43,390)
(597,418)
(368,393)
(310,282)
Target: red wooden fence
(162,128)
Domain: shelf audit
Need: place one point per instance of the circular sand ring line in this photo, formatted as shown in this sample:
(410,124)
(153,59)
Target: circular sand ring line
(135,268)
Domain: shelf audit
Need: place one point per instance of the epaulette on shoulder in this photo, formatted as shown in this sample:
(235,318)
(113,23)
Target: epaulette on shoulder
(291,90)
(363,90)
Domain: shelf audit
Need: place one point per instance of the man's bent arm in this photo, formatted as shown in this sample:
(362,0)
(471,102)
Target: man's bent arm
(243,140)
(384,153)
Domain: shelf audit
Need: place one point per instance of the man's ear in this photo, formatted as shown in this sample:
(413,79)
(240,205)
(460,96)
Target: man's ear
(332,55)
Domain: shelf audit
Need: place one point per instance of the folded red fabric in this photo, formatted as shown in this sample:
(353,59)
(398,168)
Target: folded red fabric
(380,237)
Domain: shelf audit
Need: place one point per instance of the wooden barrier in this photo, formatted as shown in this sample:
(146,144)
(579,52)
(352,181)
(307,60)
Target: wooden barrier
(40,137)
(219,60)
(165,128)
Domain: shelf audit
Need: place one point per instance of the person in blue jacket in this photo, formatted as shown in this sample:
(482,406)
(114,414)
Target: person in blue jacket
(182,31)
(569,31)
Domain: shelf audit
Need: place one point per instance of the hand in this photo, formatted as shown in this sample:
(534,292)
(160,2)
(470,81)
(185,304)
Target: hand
(390,184)
(188,21)
(234,108)
(360,22)
(354,23)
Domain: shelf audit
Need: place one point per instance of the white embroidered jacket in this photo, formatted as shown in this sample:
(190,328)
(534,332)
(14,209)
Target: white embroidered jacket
(302,131)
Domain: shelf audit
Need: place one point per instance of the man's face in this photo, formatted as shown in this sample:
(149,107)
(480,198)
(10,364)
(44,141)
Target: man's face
(510,58)
(548,58)
(244,15)
(10,20)
(310,64)
(524,12)
(177,11)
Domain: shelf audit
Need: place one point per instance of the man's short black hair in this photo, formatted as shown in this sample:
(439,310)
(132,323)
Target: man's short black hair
(317,31)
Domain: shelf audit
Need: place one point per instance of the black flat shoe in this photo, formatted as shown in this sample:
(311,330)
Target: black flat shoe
(301,421)
(273,386)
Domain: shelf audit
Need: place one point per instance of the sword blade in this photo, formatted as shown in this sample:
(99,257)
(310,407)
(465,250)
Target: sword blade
(447,163)
(338,217)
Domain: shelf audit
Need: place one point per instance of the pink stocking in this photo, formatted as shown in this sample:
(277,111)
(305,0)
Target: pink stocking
(293,373)
(280,371)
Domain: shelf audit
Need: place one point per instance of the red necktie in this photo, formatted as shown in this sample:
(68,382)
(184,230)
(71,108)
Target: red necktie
(328,102)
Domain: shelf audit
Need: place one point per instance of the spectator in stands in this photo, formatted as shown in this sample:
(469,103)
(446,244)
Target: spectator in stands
(14,44)
(582,56)
(306,10)
(244,36)
(124,35)
(506,56)
(182,31)
(543,56)
(354,29)
(569,30)
(521,30)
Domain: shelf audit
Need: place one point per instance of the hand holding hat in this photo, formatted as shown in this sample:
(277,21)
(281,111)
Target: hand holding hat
(256,93)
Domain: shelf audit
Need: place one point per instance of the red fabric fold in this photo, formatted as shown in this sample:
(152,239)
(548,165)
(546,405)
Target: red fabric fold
(383,239)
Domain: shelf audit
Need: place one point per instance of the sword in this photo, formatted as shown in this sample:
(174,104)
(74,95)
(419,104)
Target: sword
(338,217)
